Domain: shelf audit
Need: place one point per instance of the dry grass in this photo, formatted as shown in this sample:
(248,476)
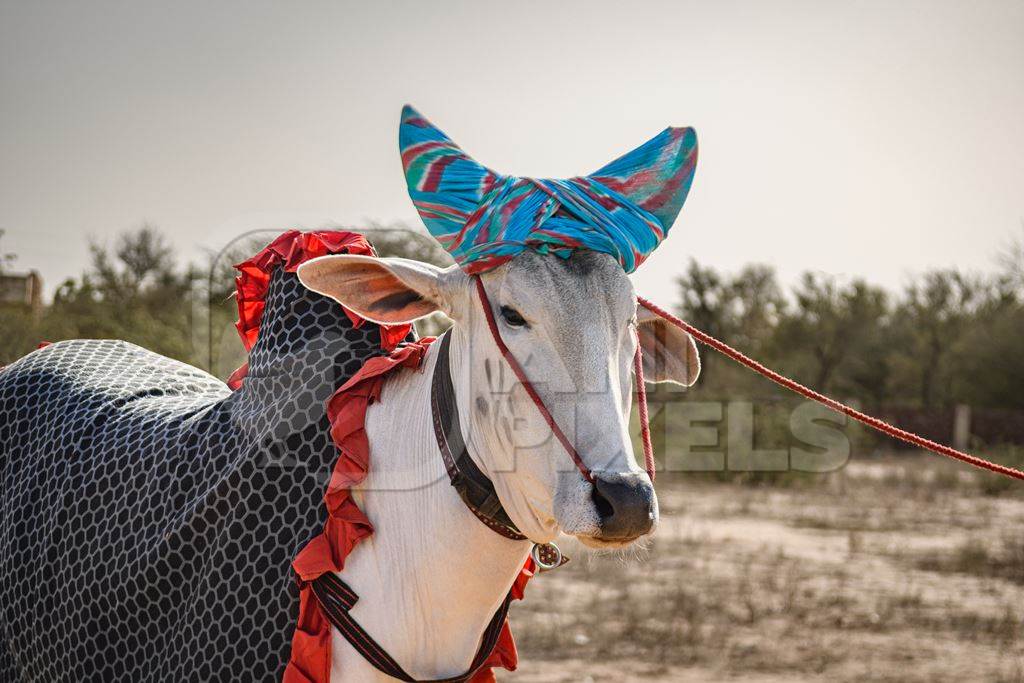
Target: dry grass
(897,570)
(1003,559)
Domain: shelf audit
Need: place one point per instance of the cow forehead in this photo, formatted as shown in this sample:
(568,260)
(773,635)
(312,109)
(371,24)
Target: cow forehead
(584,298)
(585,281)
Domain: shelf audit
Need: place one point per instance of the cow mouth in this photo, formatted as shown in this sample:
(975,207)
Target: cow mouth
(600,543)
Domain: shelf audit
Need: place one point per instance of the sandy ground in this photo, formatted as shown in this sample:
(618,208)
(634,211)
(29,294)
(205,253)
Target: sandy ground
(896,570)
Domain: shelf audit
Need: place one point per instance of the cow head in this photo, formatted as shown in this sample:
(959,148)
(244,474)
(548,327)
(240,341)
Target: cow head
(573,323)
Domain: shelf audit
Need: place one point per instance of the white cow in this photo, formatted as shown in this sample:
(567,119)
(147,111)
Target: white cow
(432,575)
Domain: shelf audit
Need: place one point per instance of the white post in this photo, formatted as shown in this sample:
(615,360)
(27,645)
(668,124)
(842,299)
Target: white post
(961,427)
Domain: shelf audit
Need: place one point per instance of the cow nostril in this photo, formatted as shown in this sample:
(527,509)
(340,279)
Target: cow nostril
(625,506)
(604,508)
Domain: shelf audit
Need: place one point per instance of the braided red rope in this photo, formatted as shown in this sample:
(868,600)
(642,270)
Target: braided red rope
(835,405)
(520,373)
(641,402)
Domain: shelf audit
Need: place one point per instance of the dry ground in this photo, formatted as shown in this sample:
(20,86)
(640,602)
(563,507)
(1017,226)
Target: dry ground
(900,569)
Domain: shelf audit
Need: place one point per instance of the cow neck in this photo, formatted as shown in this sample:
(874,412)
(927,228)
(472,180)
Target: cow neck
(473,486)
(430,577)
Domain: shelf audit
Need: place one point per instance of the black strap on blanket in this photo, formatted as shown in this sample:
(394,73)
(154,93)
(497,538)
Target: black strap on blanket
(472,485)
(336,599)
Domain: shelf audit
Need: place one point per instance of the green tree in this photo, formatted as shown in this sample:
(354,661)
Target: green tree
(1010,261)
(990,364)
(931,320)
(831,334)
(743,309)
(132,291)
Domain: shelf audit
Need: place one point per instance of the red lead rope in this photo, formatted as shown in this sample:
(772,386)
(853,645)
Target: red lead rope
(641,402)
(737,356)
(835,405)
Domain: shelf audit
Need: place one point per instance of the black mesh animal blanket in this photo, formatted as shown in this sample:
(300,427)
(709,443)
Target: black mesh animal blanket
(148,514)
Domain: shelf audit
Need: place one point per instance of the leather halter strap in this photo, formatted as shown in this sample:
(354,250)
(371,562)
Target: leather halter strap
(336,598)
(472,485)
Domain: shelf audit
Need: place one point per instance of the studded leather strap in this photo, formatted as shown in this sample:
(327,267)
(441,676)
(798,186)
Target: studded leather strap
(472,485)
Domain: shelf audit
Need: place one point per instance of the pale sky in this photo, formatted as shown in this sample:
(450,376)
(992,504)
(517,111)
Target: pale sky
(854,138)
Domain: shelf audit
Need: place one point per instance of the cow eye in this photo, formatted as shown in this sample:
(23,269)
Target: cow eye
(511,317)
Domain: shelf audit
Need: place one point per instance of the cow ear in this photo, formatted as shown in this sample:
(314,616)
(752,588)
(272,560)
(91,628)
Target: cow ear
(384,290)
(670,354)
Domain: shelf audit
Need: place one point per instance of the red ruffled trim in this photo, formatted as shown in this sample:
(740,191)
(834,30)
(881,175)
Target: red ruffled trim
(289,251)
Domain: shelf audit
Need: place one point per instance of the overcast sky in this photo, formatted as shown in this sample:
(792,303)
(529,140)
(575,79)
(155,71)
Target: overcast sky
(854,138)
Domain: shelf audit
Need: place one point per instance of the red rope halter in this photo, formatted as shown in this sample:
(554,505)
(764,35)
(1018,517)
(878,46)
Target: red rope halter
(835,405)
(520,373)
(527,385)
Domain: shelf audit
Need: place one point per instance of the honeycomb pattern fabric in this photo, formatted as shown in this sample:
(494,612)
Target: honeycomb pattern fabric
(148,515)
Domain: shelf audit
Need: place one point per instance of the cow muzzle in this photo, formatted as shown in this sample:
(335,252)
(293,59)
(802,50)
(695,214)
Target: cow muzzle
(626,507)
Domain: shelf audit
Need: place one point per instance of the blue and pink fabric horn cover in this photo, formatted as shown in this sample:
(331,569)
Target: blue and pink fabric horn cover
(484,218)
